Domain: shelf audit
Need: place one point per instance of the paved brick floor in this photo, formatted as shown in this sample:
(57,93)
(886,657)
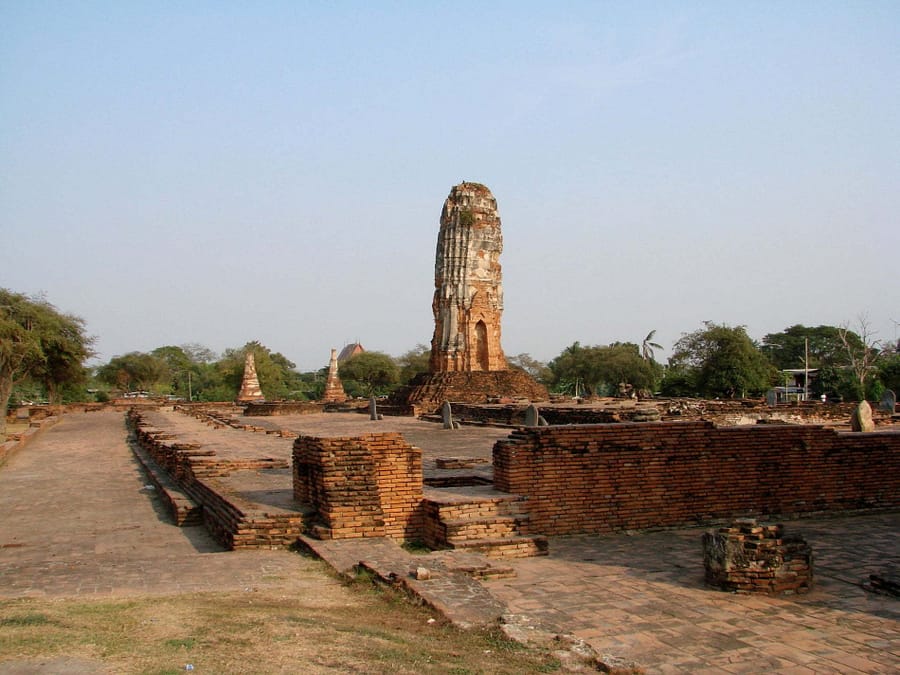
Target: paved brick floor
(76,519)
(643,598)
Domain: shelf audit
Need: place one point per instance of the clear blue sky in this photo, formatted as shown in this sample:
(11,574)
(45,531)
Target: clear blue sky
(223,172)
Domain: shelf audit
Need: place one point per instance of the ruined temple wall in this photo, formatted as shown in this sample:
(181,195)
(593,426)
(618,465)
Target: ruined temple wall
(365,486)
(600,478)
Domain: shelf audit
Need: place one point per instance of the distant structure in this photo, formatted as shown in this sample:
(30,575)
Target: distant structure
(334,389)
(349,351)
(467,363)
(250,389)
(468,295)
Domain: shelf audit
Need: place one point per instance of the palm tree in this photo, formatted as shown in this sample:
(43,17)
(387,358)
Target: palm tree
(647,346)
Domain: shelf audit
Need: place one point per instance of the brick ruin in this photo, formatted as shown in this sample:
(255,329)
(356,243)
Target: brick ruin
(751,557)
(365,486)
(610,477)
(372,486)
(547,481)
(467,361)
(468,295)
(250,389)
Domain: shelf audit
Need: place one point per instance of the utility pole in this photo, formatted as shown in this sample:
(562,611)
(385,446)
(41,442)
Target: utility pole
(806,369)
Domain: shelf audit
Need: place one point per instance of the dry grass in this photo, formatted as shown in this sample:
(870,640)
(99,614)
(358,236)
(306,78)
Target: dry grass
(253,632)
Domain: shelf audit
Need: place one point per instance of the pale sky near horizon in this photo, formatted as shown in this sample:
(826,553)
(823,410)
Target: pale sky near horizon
(217,172)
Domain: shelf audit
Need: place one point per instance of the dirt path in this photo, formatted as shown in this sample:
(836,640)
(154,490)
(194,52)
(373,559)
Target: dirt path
(76,519)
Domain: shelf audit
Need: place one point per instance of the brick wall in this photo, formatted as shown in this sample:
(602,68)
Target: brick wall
(599,478)
(364,486)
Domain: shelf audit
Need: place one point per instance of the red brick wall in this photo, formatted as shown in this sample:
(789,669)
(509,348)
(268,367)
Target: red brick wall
(604,477)
(365,486)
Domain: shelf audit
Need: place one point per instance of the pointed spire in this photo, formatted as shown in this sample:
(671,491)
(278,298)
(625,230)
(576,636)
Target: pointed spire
(334,389)
(250,389)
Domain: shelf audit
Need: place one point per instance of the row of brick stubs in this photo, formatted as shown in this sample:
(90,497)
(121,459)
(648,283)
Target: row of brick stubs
(194,469)
(514,414)
(753,558)
(220,418)
(365,486)
(601,478)
(726,413)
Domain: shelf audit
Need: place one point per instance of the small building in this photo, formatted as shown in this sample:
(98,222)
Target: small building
(349,351)
(797,384)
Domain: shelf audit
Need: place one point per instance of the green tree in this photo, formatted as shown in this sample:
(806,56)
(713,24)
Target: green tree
(601,370)
(647,346)
(136,370)
(38,341)
(862,352)
(198,353)
(539,370)
(723,361)
(189,371)
(413,362)
(788,349)
(375,371)
(889,372)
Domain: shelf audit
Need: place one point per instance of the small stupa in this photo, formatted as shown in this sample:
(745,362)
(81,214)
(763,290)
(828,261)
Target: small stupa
(250,389)
(334,389)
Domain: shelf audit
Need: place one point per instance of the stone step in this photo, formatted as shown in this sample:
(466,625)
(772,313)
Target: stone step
(492,527)
(472,501)
(505,547)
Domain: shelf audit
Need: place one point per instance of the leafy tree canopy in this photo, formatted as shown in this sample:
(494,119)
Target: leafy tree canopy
(722,361)
(539,370)
(787,349)
(39,342)
(136,371)
(413,362)
(889,372)
(600,370)
(375,371)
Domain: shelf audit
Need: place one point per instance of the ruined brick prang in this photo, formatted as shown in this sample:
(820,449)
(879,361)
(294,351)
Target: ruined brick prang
(334,389)
(250,389)
(468,296)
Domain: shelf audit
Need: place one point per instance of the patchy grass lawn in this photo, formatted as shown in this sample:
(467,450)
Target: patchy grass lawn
(252,632)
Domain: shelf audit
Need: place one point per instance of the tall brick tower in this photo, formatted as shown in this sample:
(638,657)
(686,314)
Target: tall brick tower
(250,389)
(467,362)
(468,295)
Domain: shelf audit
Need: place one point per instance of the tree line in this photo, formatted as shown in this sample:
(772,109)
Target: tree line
(43,353)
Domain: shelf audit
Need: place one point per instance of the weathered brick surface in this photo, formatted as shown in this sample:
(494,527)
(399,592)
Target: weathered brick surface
(600,478)
(427,391)
(194,469)
(364,486)
(751,557)
(468,295)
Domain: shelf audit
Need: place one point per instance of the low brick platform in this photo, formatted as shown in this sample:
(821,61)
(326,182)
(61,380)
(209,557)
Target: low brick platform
(240,498)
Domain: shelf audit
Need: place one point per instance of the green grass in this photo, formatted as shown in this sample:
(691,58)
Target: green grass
(25,620)
(363,629)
